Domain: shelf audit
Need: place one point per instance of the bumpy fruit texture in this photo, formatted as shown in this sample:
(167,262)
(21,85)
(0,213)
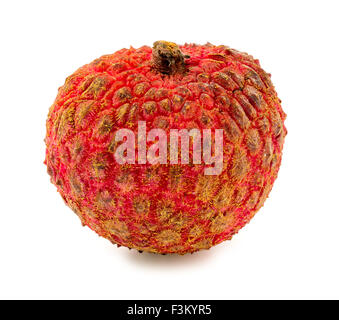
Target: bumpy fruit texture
(165,208)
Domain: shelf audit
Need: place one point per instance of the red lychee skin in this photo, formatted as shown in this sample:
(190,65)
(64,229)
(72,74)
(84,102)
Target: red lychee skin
(165,208)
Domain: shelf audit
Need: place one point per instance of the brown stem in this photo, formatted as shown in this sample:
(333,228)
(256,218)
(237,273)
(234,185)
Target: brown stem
(167,58)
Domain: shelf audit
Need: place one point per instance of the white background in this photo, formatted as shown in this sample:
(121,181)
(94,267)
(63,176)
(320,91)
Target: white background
(288,251)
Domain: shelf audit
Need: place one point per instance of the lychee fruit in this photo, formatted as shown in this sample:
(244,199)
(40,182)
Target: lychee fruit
(109,145)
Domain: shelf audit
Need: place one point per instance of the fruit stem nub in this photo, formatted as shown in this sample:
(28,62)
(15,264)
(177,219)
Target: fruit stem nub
(167,58)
